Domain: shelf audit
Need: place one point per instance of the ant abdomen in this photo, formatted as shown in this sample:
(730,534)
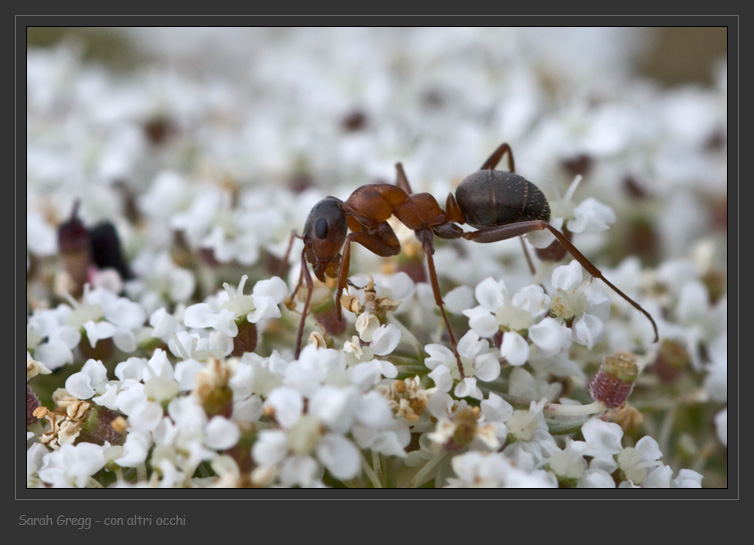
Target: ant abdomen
(490,198)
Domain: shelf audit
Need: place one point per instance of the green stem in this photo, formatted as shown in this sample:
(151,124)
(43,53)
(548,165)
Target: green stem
(377,465)
(370,472)
(422,474)
(407,335)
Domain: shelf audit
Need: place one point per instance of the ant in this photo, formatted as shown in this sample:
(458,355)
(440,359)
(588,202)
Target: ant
(499,204)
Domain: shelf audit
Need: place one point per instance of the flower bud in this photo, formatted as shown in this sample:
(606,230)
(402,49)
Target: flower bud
(614,381)
(32,402)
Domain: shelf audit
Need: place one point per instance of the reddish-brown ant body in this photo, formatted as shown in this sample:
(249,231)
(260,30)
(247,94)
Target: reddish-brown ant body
(499,204)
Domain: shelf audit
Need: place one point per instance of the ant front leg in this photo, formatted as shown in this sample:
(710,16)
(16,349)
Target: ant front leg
(401,180)
(426,238)
(307,278)
(491,162)
(494,159)
(381,241)
(504,232)
(283,266)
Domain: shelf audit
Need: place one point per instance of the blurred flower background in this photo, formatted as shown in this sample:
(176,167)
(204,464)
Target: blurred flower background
(168,167)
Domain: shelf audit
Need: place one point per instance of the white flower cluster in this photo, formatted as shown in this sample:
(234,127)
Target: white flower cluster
(182,376)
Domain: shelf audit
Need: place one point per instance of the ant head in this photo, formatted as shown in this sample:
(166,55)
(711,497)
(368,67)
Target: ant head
(325,232)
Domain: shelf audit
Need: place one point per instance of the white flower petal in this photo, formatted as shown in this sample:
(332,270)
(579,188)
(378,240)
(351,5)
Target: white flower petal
(185,371)
(339,455)
(490,293)
(301,471)
(470,345)
(441,377)
(80,385)
(514,348)
(648,448)
(601,435)
(125,341)
(487,367)
(273,287)
(482,322)
(532,299)
(550,336)
(587,329)
(496,409)
(335,407)
(288,405)
(145,417)
(385,339)
(135,450)
(721,425)
(567,277)
(98,330)
(373,410)
(221,433)
(247,410)
(591,215)
(270,447)
(438,355)
(125,313)
(131,369)
(53,354)
(459,299)
(265,308)
(199,316)
(468,388)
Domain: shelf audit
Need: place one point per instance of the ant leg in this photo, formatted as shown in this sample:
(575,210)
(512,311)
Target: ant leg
(505,232)
(425,236)
(491,163)
(284,261)
(528,257)
(307,277)
(382,242)
(494,159)
(401,180)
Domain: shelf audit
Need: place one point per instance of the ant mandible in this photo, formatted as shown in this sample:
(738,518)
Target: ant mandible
(499,204)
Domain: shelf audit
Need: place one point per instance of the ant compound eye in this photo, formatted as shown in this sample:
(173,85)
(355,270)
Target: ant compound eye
(326,228)
(320,228)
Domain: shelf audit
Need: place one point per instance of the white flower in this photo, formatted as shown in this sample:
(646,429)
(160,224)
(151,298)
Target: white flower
(307,440)
(72,465)
(716,381)
(721,426)
(596,478)
(580,302)
(498,311)
(365,371)
(550,336)
(89,381)
(688,478)
(135,450)
(602,441)
(589,215)
(224,310)
(478,363)
(103,315)
(637,462)
(493,470)
(61,338)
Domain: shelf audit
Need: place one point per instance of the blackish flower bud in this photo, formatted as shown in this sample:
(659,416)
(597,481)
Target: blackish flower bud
(73,235)
(96,427)
(106,250)
(32,402)
(671,360)
(614,381)
(246,340)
